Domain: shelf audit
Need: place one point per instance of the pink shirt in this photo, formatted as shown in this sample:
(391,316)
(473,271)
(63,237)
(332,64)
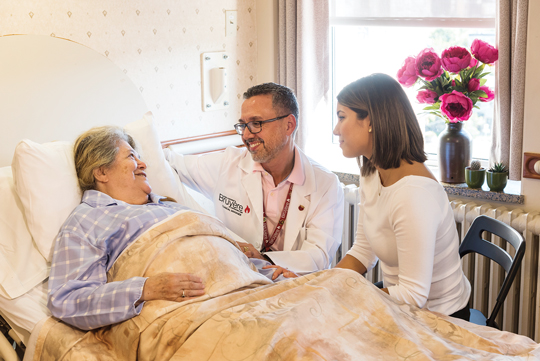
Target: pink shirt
(274,196)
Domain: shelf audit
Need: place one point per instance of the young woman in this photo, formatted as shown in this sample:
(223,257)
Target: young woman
(405,218)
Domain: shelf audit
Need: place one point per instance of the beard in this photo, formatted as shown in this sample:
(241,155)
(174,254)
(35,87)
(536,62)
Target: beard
(264,153)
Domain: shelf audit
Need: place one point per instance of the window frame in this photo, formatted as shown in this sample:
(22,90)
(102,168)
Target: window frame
(440,22)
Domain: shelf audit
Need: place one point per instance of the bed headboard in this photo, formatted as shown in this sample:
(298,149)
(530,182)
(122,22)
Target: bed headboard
(54,89)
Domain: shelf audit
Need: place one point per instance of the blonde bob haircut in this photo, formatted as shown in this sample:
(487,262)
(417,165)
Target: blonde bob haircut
(97,148)
(396,133)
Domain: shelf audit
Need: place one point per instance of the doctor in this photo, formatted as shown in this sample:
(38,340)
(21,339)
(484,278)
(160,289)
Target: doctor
(289,208)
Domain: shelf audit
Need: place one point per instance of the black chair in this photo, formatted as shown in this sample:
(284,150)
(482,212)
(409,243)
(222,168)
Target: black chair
(473,242)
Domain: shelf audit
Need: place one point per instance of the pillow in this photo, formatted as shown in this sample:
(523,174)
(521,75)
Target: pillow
(21,264)
(46,182)
(161,176)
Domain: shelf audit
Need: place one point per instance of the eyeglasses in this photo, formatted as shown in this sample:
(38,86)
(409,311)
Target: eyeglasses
(255,126)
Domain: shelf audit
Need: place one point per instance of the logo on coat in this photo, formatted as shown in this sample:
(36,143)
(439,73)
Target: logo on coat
(231,205)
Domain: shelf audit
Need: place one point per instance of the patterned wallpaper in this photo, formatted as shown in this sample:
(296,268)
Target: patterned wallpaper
(158,45)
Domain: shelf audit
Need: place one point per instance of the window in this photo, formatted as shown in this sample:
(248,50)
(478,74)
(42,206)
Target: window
(375,36)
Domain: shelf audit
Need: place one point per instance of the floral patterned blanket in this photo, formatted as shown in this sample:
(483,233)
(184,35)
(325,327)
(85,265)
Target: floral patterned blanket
(329,315)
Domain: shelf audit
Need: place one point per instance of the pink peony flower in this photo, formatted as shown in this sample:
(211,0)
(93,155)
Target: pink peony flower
(453,83)
(407,74)
(428,64)
(456,106)
(473,62)
(474,84)
(484,52)
(490,94)
(455,58)
(427,96)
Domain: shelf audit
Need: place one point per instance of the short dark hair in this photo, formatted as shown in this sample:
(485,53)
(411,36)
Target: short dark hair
(283,98)
(396,133)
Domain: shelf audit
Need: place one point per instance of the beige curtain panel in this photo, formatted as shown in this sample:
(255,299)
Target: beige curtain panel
(507,126)
(304,55)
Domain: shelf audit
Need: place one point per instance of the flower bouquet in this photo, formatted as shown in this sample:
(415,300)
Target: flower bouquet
(453,83)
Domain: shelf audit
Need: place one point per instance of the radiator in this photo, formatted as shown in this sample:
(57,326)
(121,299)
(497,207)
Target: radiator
(521,311)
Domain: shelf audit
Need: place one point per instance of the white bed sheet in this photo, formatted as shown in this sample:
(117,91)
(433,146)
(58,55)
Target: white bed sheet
(24,312)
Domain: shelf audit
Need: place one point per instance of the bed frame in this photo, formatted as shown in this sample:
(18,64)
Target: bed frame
(11,347)
(206,143)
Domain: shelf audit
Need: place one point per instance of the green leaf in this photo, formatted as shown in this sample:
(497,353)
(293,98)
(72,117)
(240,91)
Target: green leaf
(425,82)
(478,71)
(483,81)
(476,106)
(480,94)
(438,115)
(432,107)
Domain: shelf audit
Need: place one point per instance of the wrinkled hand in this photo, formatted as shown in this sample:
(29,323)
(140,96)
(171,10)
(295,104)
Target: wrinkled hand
(280,270)
(249,250)
(170,286)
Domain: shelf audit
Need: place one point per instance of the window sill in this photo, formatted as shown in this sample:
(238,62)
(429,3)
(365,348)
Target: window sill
(511,193)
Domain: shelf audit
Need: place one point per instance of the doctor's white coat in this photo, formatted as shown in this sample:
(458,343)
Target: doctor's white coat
(314,222)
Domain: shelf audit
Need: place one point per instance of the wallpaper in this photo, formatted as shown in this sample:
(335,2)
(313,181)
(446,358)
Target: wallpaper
(158,45)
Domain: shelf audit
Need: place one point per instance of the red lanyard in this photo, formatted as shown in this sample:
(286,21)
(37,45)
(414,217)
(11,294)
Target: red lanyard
(269,242)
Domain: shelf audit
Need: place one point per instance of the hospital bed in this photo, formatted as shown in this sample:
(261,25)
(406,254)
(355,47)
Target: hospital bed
(53,89)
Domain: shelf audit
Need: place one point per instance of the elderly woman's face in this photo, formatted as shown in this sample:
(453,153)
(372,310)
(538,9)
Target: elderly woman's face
(125,179)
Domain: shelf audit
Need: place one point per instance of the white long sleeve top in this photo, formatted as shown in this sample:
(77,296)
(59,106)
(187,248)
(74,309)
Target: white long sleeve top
(409,226)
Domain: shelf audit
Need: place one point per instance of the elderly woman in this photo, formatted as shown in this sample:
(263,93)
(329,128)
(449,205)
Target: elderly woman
(117,206)
(405,218)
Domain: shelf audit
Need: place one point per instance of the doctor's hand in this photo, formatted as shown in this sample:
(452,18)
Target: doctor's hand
(249,250)
(172,287)
(281,270)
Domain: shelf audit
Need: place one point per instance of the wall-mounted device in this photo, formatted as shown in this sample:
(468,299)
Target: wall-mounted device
(215,92)
(531,165)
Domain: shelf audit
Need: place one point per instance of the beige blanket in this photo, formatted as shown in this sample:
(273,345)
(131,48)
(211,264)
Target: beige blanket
(329,315)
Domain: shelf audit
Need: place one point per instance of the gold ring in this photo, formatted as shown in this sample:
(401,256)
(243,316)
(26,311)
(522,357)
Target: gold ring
(183,294)
(246,249)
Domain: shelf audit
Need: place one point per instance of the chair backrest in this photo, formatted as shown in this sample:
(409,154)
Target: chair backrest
(473,242)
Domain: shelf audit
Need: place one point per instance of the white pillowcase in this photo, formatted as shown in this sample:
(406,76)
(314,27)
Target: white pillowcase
(21,264)
(46,181)
(160,175)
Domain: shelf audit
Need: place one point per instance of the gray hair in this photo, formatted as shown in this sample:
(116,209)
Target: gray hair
(97,148)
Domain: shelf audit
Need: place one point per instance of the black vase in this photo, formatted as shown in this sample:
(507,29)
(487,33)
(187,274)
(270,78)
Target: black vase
(454,153)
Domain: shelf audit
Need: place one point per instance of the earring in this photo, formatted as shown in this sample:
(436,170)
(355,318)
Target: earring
(369,130)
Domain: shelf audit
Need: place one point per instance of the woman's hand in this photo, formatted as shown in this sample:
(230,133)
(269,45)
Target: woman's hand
(280,270)
(249,250)
(172,287)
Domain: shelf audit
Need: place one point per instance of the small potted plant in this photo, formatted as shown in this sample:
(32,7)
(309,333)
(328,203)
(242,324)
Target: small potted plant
(475,175)
(497,177)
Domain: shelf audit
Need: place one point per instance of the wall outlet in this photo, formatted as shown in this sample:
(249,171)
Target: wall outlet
(231,22)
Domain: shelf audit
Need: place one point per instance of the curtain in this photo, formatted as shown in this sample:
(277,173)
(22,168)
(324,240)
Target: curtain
(304,56)
(507,134)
